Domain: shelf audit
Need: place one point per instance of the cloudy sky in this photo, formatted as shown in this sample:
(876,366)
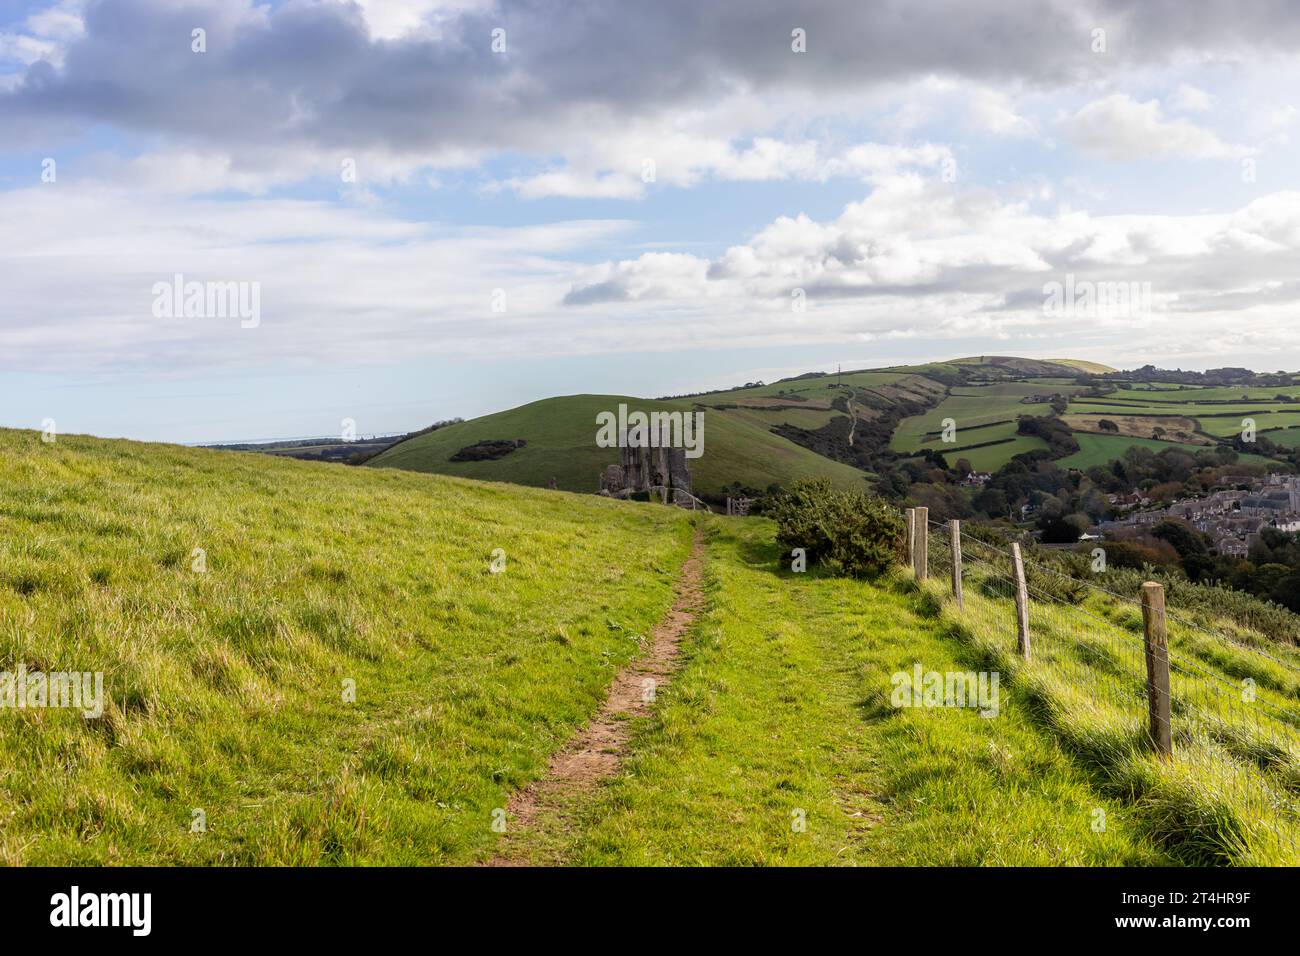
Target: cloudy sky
(453,206)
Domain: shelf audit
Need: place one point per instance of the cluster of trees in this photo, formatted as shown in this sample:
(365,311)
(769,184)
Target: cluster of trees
(1271,571)
(1060,439)
(1227,376)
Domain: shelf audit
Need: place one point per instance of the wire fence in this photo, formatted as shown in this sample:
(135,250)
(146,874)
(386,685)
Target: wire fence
(1197,731)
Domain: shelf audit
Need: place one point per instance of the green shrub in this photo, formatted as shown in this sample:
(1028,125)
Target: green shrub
(847,532)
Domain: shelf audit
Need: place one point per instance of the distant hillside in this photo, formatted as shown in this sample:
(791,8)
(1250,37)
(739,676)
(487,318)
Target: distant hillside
(560,441)
(1025,366)
(1092,367)
(853,425)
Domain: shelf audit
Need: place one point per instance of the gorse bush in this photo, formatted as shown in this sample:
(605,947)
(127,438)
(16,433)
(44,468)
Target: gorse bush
(847,532)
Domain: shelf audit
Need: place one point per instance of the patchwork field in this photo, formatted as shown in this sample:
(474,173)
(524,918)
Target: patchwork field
(1101,449)
(983,395)
(1175,428)
(983,414)
(1182,393)
(1189,414)
(889,384)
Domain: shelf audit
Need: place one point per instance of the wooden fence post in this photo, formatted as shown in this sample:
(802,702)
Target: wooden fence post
(922,534)
(911,538)
(1022,602)
(954,528)
(1157,654)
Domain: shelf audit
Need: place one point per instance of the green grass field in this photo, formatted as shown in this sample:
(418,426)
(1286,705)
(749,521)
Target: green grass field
(982,414)
(226,687)
(345,680)
(1100,449)
(782,713)
(1183,394)
(970,444)
(783,706)
(1290,437)
(1214,409)
(825,387)
(973,406)
(1230,793)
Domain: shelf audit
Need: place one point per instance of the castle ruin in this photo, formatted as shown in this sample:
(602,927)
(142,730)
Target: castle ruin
(646,468)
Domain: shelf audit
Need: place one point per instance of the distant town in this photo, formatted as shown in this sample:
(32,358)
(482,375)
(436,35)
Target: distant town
(1234,516)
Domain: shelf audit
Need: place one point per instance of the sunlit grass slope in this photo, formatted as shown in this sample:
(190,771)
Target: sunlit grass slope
(1230,793)
(782,713)
(561,437)
(227,686)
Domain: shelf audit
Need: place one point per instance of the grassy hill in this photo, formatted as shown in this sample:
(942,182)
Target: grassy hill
(343,679)
(561,433)
(848,425)
(226,687)
(983,414)
(1095,368)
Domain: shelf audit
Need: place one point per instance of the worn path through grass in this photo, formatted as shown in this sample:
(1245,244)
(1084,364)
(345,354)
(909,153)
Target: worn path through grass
(596,753)
(776,743)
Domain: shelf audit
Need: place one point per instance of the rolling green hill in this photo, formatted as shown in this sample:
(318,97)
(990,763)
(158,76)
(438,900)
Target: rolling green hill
(847,425)
(561,444)
(225,687)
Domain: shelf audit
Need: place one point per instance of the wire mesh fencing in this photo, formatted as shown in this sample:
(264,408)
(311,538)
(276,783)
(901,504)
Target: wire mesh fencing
(1198,730)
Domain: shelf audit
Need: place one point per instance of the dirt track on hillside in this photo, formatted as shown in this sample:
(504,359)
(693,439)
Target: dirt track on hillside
(597,752)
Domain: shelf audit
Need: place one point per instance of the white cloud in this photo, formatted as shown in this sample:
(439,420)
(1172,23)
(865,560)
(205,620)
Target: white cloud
(1120,128)
(44,34)
(1190,99)
(392,19)
(629,167)
(991,111)
(916,258)
(342,283)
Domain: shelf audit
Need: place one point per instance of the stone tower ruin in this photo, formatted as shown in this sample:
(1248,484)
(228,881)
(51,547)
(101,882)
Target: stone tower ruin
(646,468)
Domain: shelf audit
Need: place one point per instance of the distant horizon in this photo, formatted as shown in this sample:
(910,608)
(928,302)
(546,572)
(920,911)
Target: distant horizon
(846,369)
